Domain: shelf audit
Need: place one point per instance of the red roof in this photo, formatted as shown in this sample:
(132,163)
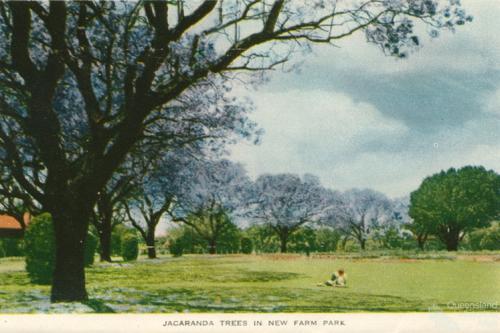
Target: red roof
(9,222)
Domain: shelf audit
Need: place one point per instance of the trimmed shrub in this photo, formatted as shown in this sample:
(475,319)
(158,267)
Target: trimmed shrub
(90,248)
(246,245)
(130,247)
(2,251)
(176,247)
(40,249)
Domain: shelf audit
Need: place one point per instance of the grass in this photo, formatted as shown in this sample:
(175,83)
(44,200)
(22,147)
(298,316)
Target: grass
(269,283)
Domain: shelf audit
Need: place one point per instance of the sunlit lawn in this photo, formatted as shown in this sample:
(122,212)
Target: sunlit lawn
(270,283)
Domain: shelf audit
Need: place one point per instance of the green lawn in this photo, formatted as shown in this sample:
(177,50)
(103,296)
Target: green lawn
(270,283)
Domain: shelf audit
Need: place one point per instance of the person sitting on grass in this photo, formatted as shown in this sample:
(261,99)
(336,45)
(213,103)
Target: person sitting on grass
(339,279)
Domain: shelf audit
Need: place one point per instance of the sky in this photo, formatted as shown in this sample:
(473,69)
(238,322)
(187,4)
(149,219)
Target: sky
(359,119)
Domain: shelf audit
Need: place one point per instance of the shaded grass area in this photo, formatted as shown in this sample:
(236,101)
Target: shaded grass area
(268,283)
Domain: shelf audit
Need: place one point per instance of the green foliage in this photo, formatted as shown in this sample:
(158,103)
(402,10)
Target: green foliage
(485,238)
(177,247)
(187,239)
(116,238)
(491,240)
(327,239)
(473,240)
(12,247)
(434,244)
(161,244)
(263,238)
(40,249)
(246,245)
(230,239)
(130,247)
(303,240)
(453,202)
(217,230)
(90,247)
(393,237)
(349,245)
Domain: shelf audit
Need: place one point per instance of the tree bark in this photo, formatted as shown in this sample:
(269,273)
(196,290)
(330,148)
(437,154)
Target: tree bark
(105,240)
(452,242)
(450,238)
(68,281)
(150,242)
(284,242)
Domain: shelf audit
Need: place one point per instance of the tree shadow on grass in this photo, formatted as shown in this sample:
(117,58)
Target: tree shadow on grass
(98,306)
(271,300)
(255,276)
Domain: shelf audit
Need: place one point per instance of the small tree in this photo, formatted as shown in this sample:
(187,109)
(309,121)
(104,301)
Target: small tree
(452,203)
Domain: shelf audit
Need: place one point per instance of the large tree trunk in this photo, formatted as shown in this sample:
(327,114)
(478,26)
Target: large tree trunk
(68,281)
(452,242)
(150,242)
(450,237)
(105,240)
(103,224)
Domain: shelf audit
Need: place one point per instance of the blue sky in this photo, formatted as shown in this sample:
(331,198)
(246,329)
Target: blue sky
(357,118)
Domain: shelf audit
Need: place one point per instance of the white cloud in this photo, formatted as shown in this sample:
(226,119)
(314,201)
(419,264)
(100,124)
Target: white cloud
(492,102)
(326,133)
(306,130)
(398,173)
